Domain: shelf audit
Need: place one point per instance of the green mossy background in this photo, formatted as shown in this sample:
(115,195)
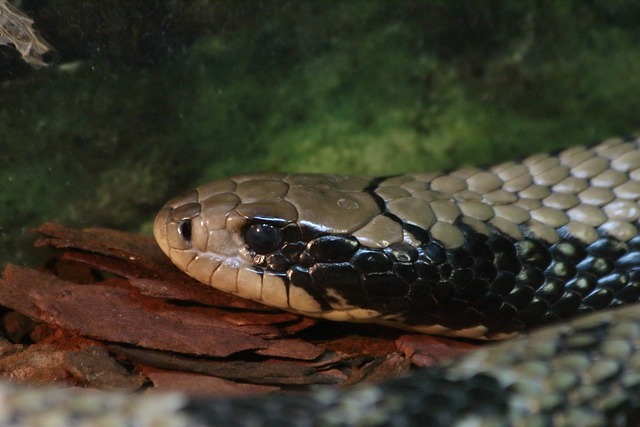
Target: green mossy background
(145,98)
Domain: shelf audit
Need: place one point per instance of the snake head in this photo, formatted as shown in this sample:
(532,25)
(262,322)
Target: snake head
(297,242)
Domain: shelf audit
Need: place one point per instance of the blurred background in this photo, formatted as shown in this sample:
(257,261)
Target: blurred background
(143,99)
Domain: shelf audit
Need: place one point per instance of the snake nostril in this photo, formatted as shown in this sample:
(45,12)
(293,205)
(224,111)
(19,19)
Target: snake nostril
(183,215)
(185,230)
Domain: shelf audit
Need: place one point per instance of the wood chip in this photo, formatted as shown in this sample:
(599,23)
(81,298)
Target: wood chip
(245,371)
(426,350)
(94,367)
(201,385)
(113,314)
(88,366)
(292,349)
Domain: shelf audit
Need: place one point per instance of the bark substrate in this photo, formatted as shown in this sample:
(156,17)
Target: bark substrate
(111,312)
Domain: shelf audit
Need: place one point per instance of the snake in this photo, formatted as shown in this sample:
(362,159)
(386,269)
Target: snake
(540,255)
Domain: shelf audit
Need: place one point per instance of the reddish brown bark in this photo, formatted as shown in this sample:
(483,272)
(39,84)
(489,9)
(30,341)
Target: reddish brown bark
(111,312)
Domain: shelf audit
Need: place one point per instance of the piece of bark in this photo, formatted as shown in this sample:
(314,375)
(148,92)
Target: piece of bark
(34,364)
(141,251)
(72,271)
(49,363)
(201,385)
(298,325)
(274,373)
(44,332)
(361,344)
(379,369)
(292,349)
(93,367)
(426,350)
(114,315)
(17,326)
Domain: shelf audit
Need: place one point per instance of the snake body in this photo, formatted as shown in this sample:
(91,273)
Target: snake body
(482,253)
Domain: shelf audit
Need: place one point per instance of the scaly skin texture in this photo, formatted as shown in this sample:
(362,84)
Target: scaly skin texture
(480,253)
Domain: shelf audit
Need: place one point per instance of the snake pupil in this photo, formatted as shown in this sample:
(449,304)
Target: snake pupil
(185,230)
(263,238)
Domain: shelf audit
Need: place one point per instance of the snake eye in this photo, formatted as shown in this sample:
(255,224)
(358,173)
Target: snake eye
(263,238)
(185,229)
